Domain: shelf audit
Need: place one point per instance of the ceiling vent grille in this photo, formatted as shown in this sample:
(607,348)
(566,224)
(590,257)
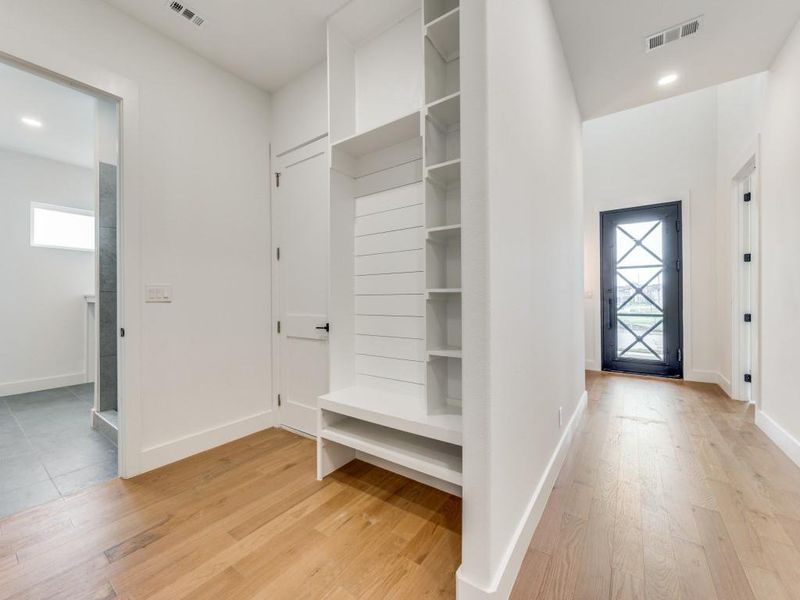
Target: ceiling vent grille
(673,34)
(186,13)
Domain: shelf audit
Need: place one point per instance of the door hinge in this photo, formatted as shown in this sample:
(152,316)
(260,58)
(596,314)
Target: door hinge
(279,399)
(680,355)
(279,326)
(121,332)
(277,253)
(748,257)
(277,179)
(678,265)
(748,317)
(747,197)
(748,378)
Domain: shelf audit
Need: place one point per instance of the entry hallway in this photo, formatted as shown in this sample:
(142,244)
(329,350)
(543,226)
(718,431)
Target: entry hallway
(669,491)
(246,520)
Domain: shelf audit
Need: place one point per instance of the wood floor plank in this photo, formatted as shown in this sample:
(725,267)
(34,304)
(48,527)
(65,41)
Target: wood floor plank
(766,584)
(689,500)
(727,572)
(246,520)
(531,575)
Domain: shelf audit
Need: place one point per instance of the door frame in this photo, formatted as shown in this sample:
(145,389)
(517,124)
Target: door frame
(593,275)
(750,169)
(46,59)
(311,148)
(679,249)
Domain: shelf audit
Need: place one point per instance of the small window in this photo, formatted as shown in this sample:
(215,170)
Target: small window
(61,227)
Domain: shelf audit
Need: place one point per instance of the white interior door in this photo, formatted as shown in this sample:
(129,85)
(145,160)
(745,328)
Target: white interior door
(300,234)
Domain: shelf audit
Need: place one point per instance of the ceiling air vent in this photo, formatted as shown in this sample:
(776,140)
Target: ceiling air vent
(673,34)
(186,13)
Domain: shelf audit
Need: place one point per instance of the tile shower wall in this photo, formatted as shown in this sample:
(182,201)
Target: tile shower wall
(107,297)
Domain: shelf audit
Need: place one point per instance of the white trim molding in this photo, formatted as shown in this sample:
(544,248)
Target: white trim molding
(45,383)
(169,452)
(782,438)
(506,575)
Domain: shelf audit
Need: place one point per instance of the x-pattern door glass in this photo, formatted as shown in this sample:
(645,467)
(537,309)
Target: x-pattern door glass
(640,313)
(641,290)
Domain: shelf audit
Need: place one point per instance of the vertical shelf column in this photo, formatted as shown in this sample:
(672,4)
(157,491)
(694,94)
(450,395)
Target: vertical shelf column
(442,154)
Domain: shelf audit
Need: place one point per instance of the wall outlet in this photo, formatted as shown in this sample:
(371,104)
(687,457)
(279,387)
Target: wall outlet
(560,416)
(158,293)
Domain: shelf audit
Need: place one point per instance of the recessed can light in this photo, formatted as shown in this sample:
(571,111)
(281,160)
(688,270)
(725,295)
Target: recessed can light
(31,122)
(668,79)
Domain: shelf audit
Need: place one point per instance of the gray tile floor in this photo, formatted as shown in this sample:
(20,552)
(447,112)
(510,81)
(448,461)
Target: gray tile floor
(48,448)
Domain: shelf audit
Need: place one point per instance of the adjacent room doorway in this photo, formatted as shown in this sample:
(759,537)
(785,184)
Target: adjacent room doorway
(642,290)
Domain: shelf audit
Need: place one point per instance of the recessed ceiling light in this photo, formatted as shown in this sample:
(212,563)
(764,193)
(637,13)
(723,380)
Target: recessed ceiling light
(668,79)
(31,122)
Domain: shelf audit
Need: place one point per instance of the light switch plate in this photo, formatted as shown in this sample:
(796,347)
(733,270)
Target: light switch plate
(158,293)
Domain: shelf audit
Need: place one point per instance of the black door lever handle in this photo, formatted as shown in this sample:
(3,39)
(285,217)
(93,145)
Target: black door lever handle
(326,327)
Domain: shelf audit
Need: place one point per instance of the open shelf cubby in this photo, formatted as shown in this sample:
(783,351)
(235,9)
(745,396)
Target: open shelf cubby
(443,258)
(446,173)
(395,241)
(444,384)
(428,456)
(444,322)
(438,8)
(442,142)
(442,203)
(443,33)
(442,73)
(446,111)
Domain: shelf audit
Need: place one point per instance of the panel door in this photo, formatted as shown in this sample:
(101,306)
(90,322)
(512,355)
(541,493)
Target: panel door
(641,272)
(300,234)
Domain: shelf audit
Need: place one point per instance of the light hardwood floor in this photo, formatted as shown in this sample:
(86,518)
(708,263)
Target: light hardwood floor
(244,521)
(669,492)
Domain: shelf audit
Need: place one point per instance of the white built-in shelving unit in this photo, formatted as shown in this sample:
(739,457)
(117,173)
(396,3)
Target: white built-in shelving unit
(395,241)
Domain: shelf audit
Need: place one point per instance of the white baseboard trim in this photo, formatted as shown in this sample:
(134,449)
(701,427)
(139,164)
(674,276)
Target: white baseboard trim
(725,384)
(170,452)
(701,376)
(506,575)
(782,438)
(45,383)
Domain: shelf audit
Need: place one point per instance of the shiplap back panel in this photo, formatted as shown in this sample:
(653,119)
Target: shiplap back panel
(389,284)
(394,305)
(406,261)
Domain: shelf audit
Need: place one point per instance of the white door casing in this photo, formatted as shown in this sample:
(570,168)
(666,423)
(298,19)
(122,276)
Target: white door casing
(745,284)
(300,279)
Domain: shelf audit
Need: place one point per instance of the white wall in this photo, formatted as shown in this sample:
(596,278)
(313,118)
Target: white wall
(42,306)
(532,236)
(203,146)
(780,247)
(739,114)
(684,148)
(300,110)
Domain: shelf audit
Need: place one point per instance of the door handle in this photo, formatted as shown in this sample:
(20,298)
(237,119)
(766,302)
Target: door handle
(610,314)
(326,327)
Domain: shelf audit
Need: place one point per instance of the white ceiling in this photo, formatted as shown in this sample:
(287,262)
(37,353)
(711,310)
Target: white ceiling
(266,42)
(604,45)
(67,115)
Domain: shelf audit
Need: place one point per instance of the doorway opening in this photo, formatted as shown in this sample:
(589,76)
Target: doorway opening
(59,202)
(642,290)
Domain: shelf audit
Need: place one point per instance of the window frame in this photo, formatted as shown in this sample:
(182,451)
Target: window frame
(63,209)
